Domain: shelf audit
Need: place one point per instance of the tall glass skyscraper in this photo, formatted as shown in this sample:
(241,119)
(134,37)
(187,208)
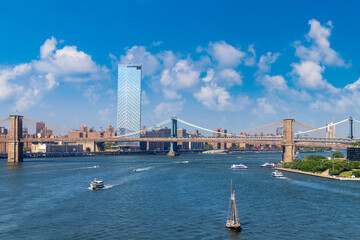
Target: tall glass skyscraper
(129,101)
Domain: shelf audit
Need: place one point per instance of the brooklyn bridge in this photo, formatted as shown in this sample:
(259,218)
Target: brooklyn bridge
(287,134)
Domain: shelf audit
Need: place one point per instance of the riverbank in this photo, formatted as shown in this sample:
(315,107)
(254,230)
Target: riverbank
(322,175)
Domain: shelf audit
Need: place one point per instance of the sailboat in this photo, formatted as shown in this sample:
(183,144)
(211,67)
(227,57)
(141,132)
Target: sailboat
(233,222)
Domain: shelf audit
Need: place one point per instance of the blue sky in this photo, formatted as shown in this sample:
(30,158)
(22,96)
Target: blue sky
(229,64)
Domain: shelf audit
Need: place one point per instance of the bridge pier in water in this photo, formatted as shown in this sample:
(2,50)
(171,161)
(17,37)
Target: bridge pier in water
(15,146)
(288,146)
(173,145)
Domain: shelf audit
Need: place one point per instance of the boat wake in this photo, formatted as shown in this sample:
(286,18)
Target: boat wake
(95,166)
(183,162)
(106,186)
(141,169)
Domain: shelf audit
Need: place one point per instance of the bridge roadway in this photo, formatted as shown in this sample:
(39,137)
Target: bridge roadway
(270,140)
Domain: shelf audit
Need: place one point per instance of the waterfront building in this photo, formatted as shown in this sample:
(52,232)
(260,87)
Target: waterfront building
(56,148)
(353,154)
(84,128)
(3,131)
(129,102)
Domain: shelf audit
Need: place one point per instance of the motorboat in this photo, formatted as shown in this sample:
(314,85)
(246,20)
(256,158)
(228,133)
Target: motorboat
(96,166)
(268,165)
(277,173)
(238,166)
(96,184)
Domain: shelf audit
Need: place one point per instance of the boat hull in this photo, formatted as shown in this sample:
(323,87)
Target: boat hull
(234,228)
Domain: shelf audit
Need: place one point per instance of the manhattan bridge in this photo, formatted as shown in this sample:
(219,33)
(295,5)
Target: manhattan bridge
(286,134)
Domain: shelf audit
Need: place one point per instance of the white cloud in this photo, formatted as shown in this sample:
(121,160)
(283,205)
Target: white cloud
(8,76)
(310,76)
(214,97)
(48,48)
(139,55)
(165,110)
(181,76)
(91,95)
(27,83)
(144,98)
(250,59)
(225,54)
(209,75)
(353,86)
(320,50)
(264,107)
(274,82)
(229,77)
(266,61)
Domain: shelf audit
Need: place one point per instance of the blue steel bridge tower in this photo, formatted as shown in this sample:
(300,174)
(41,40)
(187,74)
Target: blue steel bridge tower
(129,101)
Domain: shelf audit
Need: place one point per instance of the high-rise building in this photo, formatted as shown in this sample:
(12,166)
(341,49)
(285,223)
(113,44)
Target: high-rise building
(39,126)
(129,101)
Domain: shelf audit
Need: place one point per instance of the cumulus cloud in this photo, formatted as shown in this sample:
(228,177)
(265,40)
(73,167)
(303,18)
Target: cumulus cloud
(214,97)
(310,76)
(209,75)
(181,76)
(229,77)
(27,83)
(144,98)
(320,50)
(314,58)
(277,82)
(266,61)
(353,86)
(139,55)
(91,95)
(165,110)
(264,107)
(225,54)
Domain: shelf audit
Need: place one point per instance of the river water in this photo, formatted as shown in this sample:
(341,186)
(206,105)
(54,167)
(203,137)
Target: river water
(185,197)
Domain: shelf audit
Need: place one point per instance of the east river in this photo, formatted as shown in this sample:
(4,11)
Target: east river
(185,197)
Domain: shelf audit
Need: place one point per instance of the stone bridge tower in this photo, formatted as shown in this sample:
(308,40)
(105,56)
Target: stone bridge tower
(15,146)
(288,140)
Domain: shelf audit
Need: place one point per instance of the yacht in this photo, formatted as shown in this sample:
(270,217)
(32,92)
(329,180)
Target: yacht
(238,166)
(277,173)
(268,165)
(96,184)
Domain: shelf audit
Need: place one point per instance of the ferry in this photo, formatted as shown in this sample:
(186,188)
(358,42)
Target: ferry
(277,173)
(268,165)
(238,166)
(96,184)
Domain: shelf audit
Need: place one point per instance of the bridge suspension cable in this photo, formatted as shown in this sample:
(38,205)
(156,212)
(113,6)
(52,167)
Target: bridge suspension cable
(46,124)
(320,129)
(4,120)
(195,126)
(266,125)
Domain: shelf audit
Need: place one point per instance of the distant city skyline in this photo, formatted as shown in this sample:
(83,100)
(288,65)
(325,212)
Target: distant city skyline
(228,64)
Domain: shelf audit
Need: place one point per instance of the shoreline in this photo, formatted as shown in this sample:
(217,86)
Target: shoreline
(317,174)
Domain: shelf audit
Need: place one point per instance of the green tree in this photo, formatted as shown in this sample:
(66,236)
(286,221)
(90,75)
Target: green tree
(357,144)
(337,154)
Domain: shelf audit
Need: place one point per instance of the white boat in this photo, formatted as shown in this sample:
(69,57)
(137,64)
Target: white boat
(268,165)
(96,166)
(277,173)
(96,184)
(238,166)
